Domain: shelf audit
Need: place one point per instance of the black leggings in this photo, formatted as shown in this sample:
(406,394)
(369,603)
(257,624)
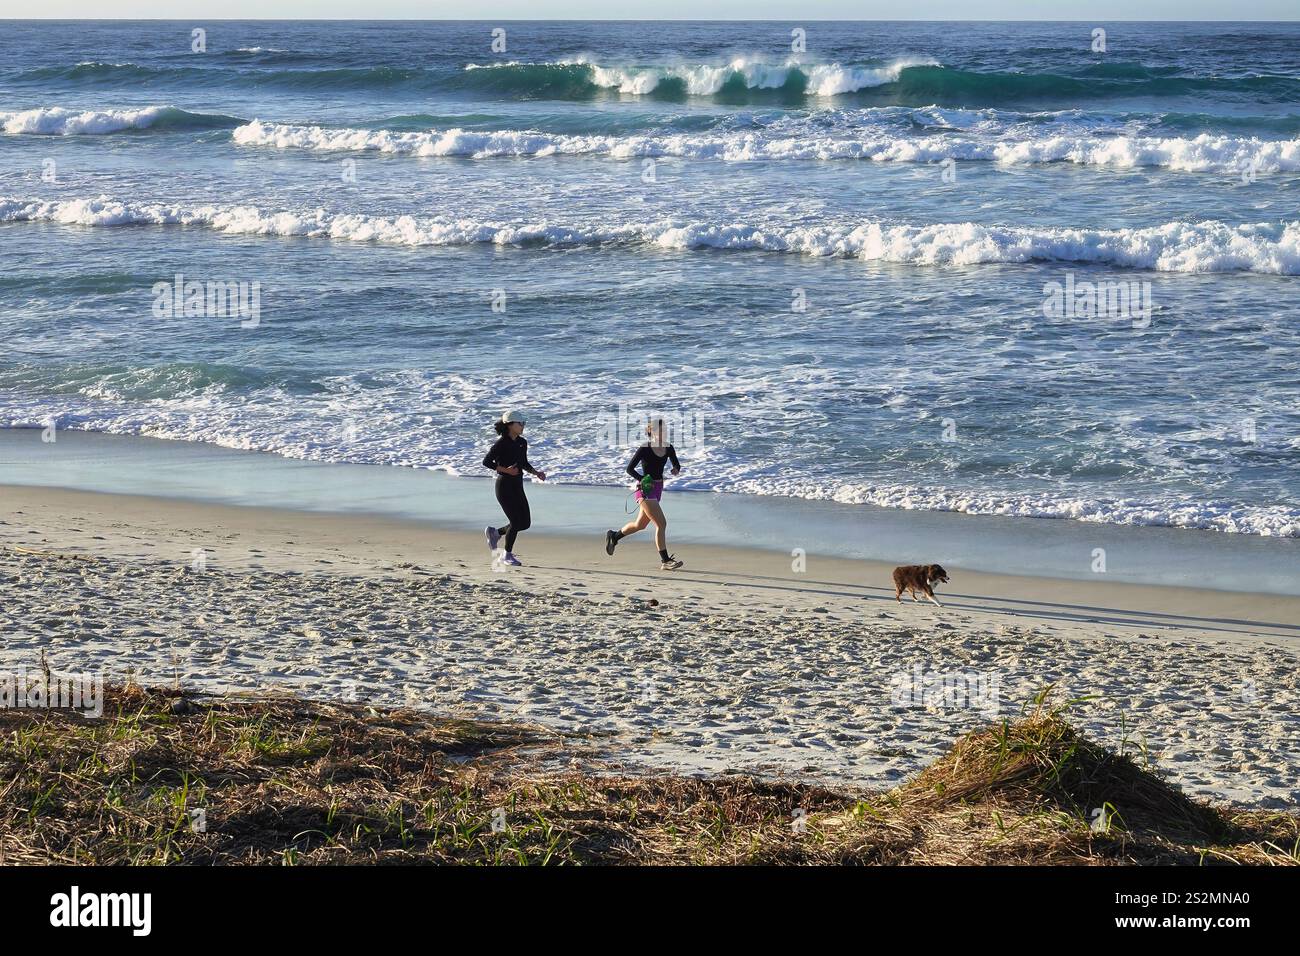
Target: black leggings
(513,501)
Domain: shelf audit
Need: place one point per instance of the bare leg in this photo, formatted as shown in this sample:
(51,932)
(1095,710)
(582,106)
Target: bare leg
(660,520)
(632,527)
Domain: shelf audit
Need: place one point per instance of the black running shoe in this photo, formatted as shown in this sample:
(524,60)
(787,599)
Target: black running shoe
(611,539)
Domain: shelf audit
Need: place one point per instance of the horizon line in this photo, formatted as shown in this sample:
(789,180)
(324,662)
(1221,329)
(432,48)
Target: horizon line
(628,20)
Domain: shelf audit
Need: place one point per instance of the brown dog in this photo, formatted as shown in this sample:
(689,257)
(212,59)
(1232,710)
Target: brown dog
(918,577)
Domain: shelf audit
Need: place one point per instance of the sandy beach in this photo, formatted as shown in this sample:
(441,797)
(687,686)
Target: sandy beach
(739,663)
(343,347)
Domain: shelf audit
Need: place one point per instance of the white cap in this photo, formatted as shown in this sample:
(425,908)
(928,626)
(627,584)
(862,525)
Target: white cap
(514,415)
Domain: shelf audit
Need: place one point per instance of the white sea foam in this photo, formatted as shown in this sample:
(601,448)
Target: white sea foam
(706,79)
(270,420)
(1210,246)
(1204,153)
(58,121)
(826,79)
(452,142)
(1167,511)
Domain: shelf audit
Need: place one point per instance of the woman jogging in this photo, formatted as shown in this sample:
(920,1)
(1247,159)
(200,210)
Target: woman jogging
(508,457)
(652,456)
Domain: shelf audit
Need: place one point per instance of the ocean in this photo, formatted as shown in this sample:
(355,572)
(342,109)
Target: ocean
(988,268)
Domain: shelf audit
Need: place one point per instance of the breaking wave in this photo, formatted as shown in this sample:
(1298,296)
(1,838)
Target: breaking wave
(58,121)
(1210,246)
(1203,153)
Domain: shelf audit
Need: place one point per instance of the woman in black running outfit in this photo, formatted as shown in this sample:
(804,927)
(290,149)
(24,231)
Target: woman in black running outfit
(652,456)
(509,459)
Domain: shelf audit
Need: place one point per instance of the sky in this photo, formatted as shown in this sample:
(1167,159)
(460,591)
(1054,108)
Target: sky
(1090,11)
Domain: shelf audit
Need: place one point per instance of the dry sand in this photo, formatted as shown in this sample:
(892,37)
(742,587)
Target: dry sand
(743,665)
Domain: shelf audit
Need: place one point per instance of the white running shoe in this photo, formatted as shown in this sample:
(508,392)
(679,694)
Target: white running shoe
(672,564)
(511,560)
(493,536)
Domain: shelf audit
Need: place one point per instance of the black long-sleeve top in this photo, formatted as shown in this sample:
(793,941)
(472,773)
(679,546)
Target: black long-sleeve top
(652,464)
(509,452)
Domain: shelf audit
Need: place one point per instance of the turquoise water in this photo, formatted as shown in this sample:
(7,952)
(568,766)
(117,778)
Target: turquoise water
(832,277)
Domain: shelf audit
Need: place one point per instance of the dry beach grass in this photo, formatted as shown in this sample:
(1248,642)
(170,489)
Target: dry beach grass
(291,781)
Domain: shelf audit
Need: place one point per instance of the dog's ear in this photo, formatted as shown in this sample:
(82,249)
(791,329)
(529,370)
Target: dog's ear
(931,571)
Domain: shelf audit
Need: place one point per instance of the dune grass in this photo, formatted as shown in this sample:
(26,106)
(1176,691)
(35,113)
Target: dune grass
(170,778)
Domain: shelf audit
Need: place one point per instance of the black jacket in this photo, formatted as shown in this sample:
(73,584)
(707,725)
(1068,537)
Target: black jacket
(509,452)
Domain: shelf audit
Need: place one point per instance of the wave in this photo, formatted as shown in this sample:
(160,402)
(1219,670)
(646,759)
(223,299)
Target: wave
(1210,246)
(1288,125)
(913,79)
(1230,517)
(905,80)
(251,411)
(830,79)
(100,72)
(935,84)
(1204,153)
(58,121)
(134,75)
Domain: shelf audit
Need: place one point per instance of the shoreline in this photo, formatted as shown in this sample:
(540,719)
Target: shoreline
(286,539)
(735,664)
(1058,548)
